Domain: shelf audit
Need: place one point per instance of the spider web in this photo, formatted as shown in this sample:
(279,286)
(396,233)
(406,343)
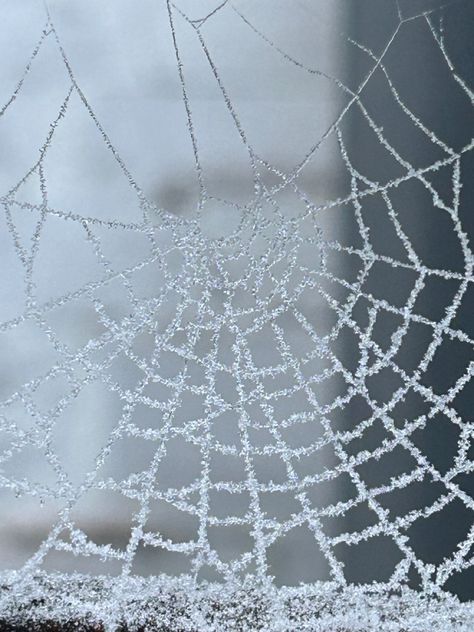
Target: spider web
(244,323)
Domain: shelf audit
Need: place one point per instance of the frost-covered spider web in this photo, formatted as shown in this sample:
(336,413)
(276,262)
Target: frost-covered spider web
(288,377)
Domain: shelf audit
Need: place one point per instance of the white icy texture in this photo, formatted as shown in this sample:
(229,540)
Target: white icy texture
(176,604)
(227,294)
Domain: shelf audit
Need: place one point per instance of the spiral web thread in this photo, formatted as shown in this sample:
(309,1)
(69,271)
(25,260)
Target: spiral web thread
(272,278)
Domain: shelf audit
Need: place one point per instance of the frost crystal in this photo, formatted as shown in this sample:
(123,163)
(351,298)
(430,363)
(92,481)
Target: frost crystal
(246,437)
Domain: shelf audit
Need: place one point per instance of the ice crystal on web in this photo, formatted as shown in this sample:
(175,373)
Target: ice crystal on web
(246,434)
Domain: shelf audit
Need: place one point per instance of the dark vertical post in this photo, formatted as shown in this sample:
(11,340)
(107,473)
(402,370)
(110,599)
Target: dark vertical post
(412,93)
